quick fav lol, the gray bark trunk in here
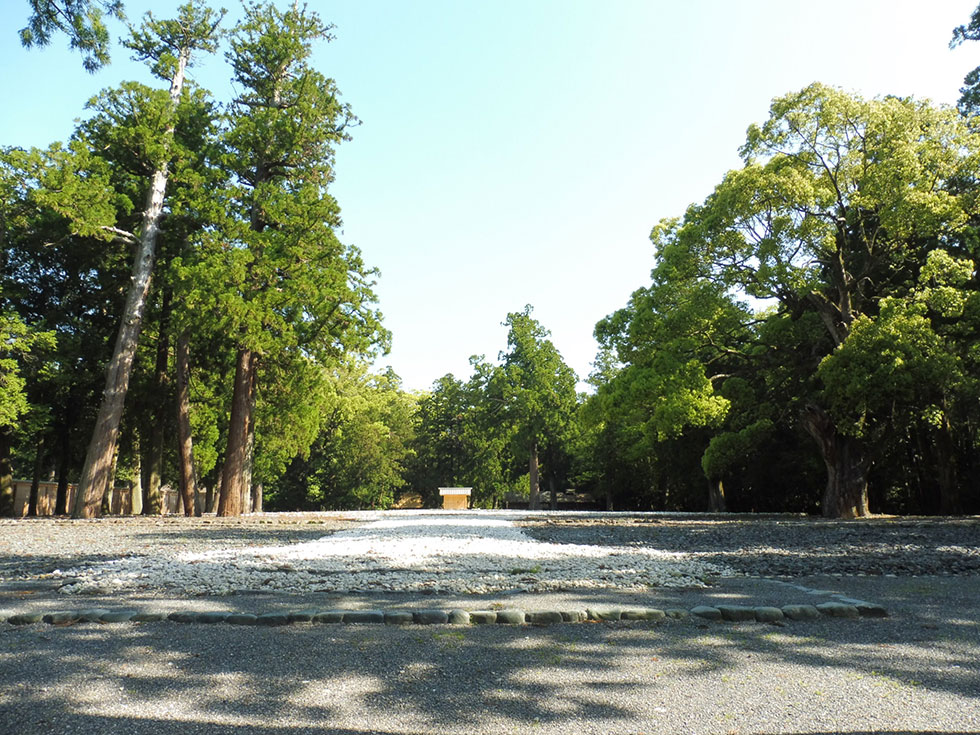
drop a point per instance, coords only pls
(110, 486)
(185, 441)
(949, 496)
(151, 481)
(716, 496)
(158, 404)
(35, 480)
(846, 493)
(136, 492)
(61, 497)
(534, 498)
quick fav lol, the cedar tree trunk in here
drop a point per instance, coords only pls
(185, 442)
(154, 466)
(534, 498)
(35, 480)
(136, 491)
(7, 504)
(102, 447)
(949, 497)
(236, 459)
(61, 497)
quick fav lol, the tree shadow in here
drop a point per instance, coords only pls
(602, 677)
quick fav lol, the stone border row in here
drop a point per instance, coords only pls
(846, 609)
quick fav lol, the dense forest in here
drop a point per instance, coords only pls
(177, 307)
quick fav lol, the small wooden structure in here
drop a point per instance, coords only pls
(455, 498)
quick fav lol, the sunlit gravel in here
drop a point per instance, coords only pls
(413, 552)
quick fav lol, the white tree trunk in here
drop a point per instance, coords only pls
(98, 459)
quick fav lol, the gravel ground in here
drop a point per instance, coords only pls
(406, 551)
(897, 675)
(916, 671)
(789, 546)
(31, 547)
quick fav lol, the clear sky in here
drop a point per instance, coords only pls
(518, 152)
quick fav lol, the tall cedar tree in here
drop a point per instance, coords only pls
(538, 391)
(167, 45)
(280, 283)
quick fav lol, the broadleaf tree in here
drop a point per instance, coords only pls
(836, 209)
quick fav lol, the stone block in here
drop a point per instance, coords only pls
(737, 613)
(60, 618)
(431, 617)
(838, 610)
(574, 616)
(871, 610)
(92, 615)
(801, 612)
(544, 617)
(459, 617)
(241, 619)
(212, 617)
(25, 618)
(483, 617)
(511, 617)
(399, 617)
(149, 617)
(644, 613)
(329, 616)
(707, 612)
(604, 613)
(272, 619)
(117, 616)
(375, 617)
(768, 614)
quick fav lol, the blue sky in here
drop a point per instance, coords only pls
(518, 153)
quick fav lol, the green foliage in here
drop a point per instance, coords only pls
(729, 450)
(162, 43)
(849, 221)
(361, 449)
(83, 21)
(890, 371)
(17, 343)
(271, 271)
(535, 389)
(969, 101)
(478, 434)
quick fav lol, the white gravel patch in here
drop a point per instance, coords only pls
(473, 552)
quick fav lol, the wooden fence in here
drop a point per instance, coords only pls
(121, 502)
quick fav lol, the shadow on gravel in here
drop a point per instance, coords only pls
(788, 546)
(165, 678)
